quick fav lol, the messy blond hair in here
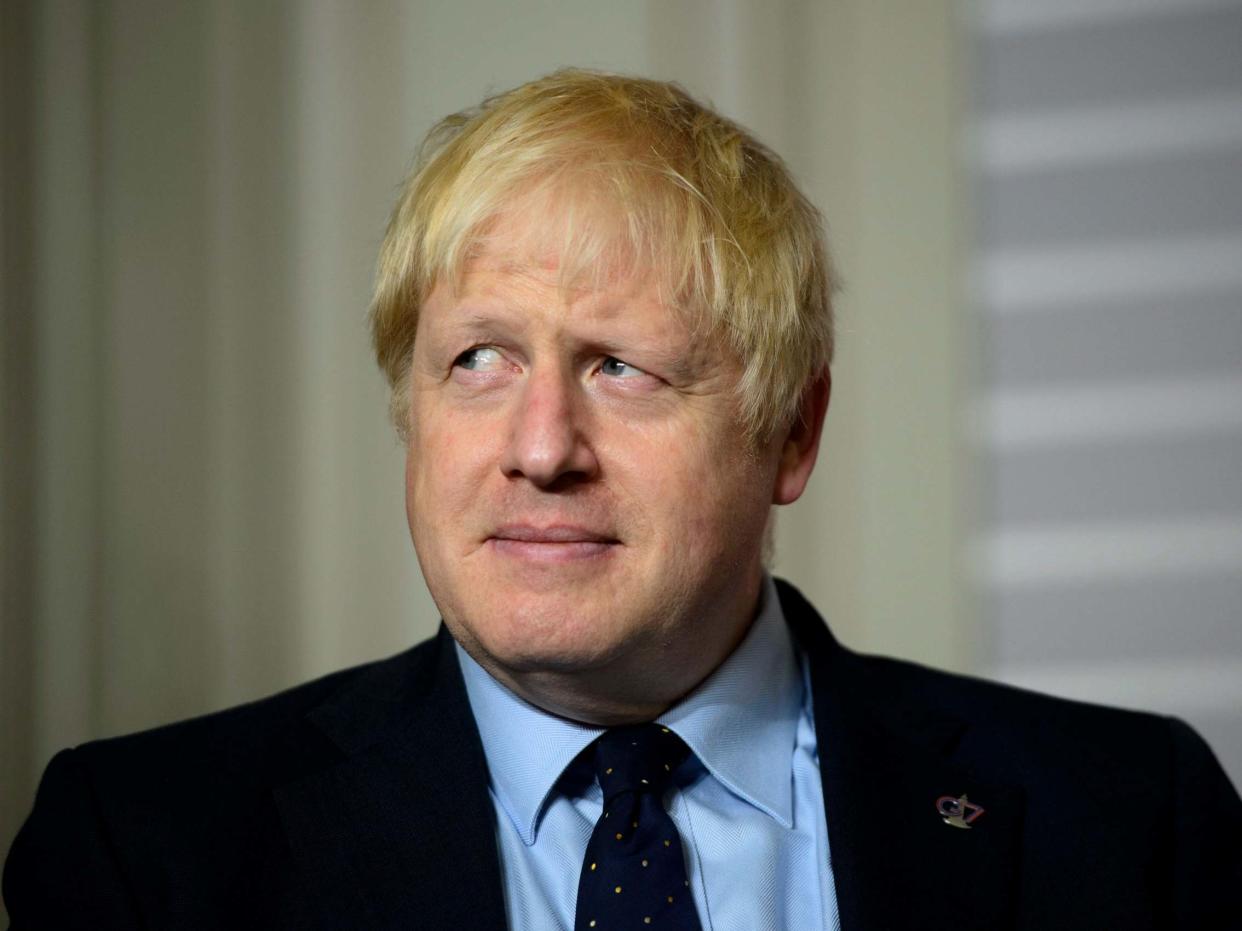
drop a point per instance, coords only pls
(683, 191)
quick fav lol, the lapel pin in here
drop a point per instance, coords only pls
(958, 812)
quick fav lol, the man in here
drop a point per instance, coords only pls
(604, 312)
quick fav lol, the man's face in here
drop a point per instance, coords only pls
(586, 512)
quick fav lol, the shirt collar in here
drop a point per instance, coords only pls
(741, 723)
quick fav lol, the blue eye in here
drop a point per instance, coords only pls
(480, 358)
(615, 368)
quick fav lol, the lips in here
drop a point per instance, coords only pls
(558, 533)
(557, 543)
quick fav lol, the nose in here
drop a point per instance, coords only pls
(547, 444)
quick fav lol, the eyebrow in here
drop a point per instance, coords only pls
(478, 321)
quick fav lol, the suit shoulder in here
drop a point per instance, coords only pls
(1042, 720)
(981, 700)
(1023, 732)
(189, 811)
(268, 740)
(909, 688)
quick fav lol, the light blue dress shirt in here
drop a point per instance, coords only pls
(749, 807)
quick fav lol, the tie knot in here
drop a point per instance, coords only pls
(637, 758)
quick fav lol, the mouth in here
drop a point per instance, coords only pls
(555, 544)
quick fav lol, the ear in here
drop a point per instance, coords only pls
(801, 445)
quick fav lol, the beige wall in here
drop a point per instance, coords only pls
(215, 510)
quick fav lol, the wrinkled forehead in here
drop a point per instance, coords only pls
(582, 238)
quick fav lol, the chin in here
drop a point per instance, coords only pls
(542, 633)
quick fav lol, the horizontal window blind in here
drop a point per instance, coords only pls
(1106, 151)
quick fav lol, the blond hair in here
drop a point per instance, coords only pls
(682, 189)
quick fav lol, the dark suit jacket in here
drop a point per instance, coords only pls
(360, 801)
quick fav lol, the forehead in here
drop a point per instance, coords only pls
(506, 299)
(569, 228)
(549, 255)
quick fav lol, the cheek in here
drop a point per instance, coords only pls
(727, 506)
(446, 464)
(705, 496)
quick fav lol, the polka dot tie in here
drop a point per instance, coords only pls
(634, 872)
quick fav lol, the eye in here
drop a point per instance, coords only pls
(615, 368)
(480, 359)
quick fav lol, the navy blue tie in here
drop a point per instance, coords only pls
(634, 872)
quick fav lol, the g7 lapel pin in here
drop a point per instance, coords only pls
(958, 812)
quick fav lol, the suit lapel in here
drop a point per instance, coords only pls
(399, 833)
(885, 760)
